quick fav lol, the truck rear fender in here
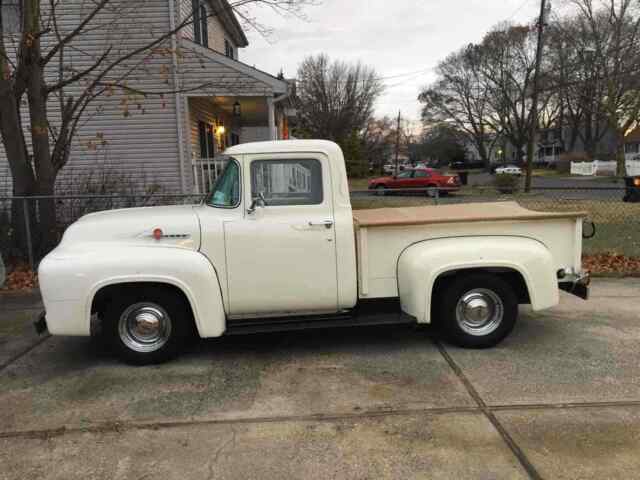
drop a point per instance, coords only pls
(421, 264)
(188, 271)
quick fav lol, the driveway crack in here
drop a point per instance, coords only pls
(488, 413)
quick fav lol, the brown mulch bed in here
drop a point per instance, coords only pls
(611, 264)
(19, 279)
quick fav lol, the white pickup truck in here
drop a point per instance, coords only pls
(276, 246)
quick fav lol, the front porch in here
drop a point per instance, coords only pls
(218, 122)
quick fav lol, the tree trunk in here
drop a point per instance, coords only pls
(531, 144)
(621, 167)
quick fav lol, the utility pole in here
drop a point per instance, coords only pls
(544, 10)
(398, 144)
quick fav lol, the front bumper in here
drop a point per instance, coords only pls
(578, 286)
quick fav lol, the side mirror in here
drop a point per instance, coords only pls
(258, 202)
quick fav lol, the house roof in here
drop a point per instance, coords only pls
(279, 86)
(633, 136)
(228, 18)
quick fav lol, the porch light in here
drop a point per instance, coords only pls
(237, 109)
(220, 130)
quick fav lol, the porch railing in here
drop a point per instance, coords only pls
(205, 173)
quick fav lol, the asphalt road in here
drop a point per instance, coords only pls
(559, 399)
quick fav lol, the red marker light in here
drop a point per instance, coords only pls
(157, 233)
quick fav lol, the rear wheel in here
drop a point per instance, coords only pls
(477, 311)
(380, 190)
(148, 325)
(431, 191)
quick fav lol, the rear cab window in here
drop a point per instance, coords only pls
(287, 181)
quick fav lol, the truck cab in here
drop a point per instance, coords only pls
(276, 246)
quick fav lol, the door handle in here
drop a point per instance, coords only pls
(325, 223)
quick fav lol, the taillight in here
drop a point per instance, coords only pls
(157, 233)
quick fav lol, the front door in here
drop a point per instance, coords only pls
(281, 257)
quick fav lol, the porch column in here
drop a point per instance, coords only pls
(272, 119)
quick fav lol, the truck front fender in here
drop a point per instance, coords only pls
(420, 265)
(70, 280)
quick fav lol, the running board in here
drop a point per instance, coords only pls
(288, 324)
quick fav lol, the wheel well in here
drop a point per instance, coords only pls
(509, 275)
(105, 295)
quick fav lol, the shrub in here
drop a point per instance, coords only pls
(506, 183)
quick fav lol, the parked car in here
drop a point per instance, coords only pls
(417, 178)
(632, 193)
(275, 246)
(509, 170)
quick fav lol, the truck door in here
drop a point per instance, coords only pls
(281, 257)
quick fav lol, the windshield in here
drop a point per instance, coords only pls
(226, 191)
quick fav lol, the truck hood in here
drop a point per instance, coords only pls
(135, 227)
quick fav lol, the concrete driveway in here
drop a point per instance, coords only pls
(559, 399)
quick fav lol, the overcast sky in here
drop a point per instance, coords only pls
(396, 37)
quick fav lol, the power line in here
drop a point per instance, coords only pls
(518, 10)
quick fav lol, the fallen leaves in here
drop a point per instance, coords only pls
(21, 278)
(611, 263)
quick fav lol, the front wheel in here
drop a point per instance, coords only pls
(477, 310)
(148, 325)
(380, 190)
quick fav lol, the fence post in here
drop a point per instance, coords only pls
(27, 229)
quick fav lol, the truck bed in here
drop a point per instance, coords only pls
(383, 234)
(468, 212)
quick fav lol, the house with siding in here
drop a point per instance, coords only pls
(184, 102)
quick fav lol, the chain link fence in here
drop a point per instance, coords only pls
(617, 222)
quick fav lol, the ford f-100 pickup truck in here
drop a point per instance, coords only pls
(276, 246)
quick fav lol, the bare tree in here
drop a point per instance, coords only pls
(49, 78)
(335, 98)
(461, 95)
(613, 26)
(509, 68)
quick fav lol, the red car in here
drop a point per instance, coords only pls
(417, 178)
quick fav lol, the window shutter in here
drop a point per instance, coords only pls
(205, 26)
(202, 136)
(211, 142)
(197, 33)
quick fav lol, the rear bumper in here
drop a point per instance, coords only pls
(578, 287)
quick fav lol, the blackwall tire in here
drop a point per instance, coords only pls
(477, 310)
(149, 325)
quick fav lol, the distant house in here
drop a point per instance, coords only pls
(215, 100)
(632, 145)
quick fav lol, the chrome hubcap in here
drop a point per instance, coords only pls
(144, 327)
(479, 312)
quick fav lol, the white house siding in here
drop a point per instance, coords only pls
(142, 145)
(217, 34)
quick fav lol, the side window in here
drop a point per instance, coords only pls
(405, 174)
(422, 174)
(226, 191)
(287, 182)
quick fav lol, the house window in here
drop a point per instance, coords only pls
(228, 49)
(11, 13)
(200, 23)
(207, 140)
(632, 148)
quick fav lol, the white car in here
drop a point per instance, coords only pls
(509, 170)
(276, 246)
